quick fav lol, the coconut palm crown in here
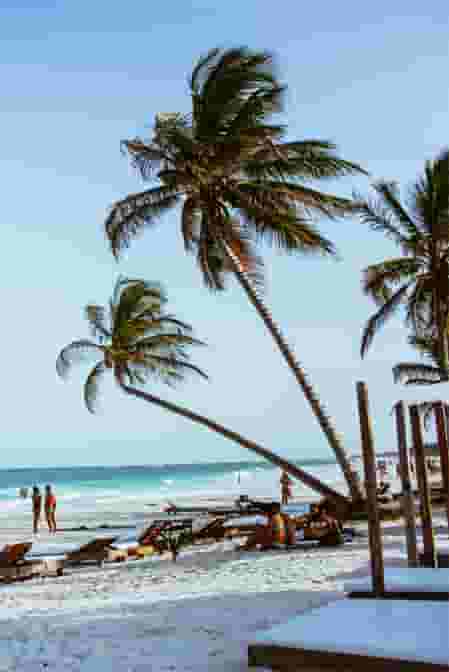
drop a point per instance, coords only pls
(238, 181)
(135, 338)
(228, 165)
(419, 278)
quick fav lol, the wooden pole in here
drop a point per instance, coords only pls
(442, 436)
(369, 465)
(408, 500)
(429, 555)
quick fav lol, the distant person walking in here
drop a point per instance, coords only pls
(50, 508)
(286, 487)
(37, 508)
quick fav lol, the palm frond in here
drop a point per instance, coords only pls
(92, 387)
(137, 300)
(131, 215)
(419, 307)
(377, 321)
(146, 157)
(76, 352)
(301, 160)
(96, 316)
(165, 343)
(170, 370)
(228, 79)
(414, 373)
(249, 119)
(201, 69)
(429, 197)
(379, 280)
(379, 218)
(389, 195)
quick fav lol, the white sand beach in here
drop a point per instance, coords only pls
(156, 615)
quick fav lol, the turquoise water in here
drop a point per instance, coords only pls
(111, 484)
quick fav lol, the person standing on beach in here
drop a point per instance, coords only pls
(286, 487)
(50, 508)
(37, 508)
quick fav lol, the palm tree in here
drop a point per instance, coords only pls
(137, 341)
(427, 372)
(419, 279)
(238, 182)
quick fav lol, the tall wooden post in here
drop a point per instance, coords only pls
(408, 501)
(369, 465)
(429, 555)
(442, 436)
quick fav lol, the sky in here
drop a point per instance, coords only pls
(78, 77)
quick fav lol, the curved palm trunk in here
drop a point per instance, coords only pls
(317, 408)
(303, 476)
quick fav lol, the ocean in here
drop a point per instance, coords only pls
(104, 488)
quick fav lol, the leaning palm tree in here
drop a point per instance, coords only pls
(238, 182)
(419, 278)
(136, 340)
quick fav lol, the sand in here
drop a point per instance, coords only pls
(156, 615)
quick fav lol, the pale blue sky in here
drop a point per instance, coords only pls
(79, 76)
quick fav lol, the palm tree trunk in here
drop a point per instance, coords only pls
(303, 476)
(443, 344)
(440, 279)
(301, 377)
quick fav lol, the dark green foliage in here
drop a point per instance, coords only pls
(420, 373)
(136, 339)
(419, 279)
(230, 167)
(173, 540)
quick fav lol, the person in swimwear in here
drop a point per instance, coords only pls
(50, 508)
(265, 536)
(286, 487)
(37, 508)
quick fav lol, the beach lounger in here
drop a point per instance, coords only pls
(14, 566)
(405, 583)
(359, 636)
(442, 551)
(97, 551)
(211, 529)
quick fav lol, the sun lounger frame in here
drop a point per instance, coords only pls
(22, 571)
(291, 659)
(96, 550)
(427, 595)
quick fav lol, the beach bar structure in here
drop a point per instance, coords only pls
(379, 632)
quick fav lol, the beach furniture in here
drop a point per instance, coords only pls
(15, 567)
(153, 537)
(359, 635)
(144, 552)
(405, 583)
(211, 528)
(97, 550)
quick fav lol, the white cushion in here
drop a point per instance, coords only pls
(397, 629)
(413, 579)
